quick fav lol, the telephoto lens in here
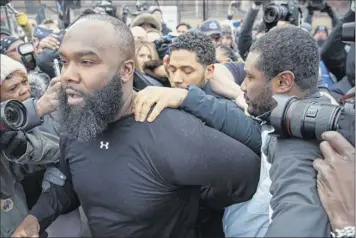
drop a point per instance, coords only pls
(13, 116)
(309, 120)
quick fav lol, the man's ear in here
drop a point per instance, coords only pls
(127, 70)
(283, 83)
(209, 71)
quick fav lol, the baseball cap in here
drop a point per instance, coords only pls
(210, 27)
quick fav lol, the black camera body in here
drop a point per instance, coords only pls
(13, 116)
(348, 32)
(288, 12)
(304, 119)
(27, 52)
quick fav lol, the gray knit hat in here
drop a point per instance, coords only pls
(8, 66)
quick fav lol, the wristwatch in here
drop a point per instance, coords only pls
(347, 231)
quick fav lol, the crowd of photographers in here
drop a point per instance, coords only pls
(265, 148)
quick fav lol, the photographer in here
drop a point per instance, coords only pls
(15, 85)
(286, 162)
(339, 57)
(21, 154)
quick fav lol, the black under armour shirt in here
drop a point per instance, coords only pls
(143, 179)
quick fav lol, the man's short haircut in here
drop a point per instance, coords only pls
(125, 39)
(289, 48)
(183, 24)
(196, 42)
(228, 52)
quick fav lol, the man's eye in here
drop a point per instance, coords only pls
(87, 62)
(12, 89)
(63, 62)
(188, 72)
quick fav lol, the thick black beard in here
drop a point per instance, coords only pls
(263, 103)
(101, 108)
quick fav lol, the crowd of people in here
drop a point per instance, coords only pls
(147, 131)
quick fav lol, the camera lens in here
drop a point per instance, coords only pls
(13, 115)
(271, 14)
(309, 120)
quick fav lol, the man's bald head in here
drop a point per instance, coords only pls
(125, 40)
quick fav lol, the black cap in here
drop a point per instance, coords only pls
(210, 27)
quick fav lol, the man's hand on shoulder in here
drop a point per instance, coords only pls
(160, 98)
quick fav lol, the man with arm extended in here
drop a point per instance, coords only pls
(132, 179)
(287, 163)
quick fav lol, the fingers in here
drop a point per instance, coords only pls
(50, 42)
(320, 165)
(146, 108)
(156, 111)
(338, 143)
(140, 105)
(327, 150)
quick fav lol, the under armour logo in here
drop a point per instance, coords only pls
(104, 145)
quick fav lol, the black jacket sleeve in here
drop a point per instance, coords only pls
(333, 52)
(297, 209)
(57, 199)
(201, 156)
(219, 115)
(245, 39)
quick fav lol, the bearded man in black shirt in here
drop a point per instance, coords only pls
(132, 179)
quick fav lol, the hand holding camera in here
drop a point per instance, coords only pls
(49, 42)
(49, 101)
(13, 143)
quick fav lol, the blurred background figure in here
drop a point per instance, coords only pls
(139, 33)
(182, 28)
(212, 28)
(145, 51)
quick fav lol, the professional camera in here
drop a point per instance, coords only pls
(13, 116)
(27, 52)
(288, 12)
(348, 32)
(305, 119)
(316, 5)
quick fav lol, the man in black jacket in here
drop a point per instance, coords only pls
(132, 179)
(287, 163)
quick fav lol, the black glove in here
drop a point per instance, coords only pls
(13, 143)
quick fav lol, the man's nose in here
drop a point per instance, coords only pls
(70, 74)
(243, 86)
(177, 78)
